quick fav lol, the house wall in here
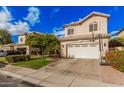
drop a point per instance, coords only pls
(83, 29)
(7, 48)
(121, 34)
(1, 47)
(21, 39)
(119, 48)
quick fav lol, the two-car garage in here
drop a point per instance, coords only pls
(90, 51)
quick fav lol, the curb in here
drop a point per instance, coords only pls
(18, 78)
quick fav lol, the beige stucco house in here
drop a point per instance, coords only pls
(81, 39)
(120, 33)
(20, 45)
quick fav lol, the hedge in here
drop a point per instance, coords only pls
(17, 58)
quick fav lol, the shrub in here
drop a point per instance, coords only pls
(116, 59)
(17, 58)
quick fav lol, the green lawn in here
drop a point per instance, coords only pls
(2, 59)
(33, 63)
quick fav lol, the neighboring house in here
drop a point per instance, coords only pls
(20, 45)
(21, 42)
(7, 47)
(81, 38)
(120, 33)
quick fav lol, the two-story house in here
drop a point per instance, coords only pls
(20, 45)
(21, 42)
(87, 38)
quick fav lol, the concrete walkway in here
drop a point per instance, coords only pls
(65, 73)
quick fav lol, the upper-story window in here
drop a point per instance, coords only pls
(70, 31)
(93, 27)
(21, 39)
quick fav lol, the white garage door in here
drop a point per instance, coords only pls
(83, 51)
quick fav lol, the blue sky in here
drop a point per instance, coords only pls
(50, 19)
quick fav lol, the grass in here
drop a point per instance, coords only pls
(2, 59)
(35, 63)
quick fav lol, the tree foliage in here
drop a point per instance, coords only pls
(5, 37)
(48, 44)
(118, 41)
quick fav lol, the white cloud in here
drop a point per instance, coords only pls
(15, 29)
(6, 23)
(33, 15)
(5, 15)
(113, 32)
(58, 31)
(19, 28)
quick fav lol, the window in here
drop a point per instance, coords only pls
(93, 27)
(104, 44)
(21, 39)
(70, 31)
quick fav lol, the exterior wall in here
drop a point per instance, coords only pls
(83, 29)
(119, 48)
(1, 47)
(121, 34)
(21, 39)
(7, 48)
(23, 46)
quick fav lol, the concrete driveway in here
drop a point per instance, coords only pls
(68, 73)
(74, 73)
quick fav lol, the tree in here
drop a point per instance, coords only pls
(53, 45)
(48, 44)
(115, 42)
(35, 41)
(5, 37)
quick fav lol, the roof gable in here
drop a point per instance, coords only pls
(87, 17)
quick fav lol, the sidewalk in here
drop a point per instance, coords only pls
(25, 74)
(42, 77)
